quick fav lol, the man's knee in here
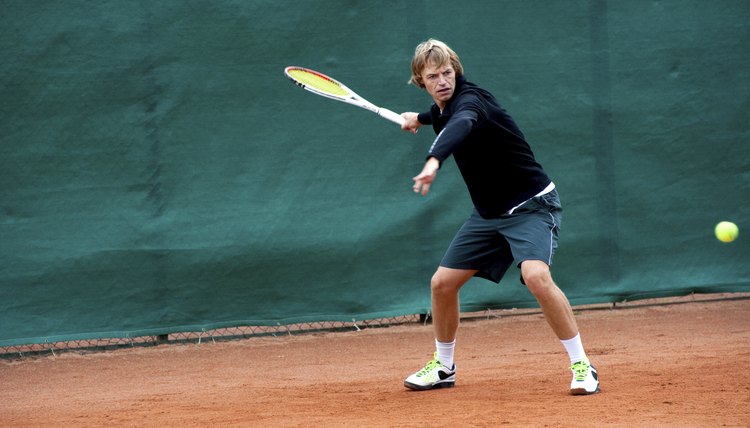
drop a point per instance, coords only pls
(445, 284)
(439, 284)
(537, 277)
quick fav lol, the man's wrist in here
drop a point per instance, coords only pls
(436, 163)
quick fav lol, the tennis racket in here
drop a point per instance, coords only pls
(320, 84)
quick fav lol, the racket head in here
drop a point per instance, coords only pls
(318, 83)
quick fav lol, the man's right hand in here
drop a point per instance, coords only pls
(411, 123)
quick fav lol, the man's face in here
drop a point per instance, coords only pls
(440, 82)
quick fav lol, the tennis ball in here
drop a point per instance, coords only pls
(726, 231)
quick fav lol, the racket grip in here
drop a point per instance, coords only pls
(393, 117)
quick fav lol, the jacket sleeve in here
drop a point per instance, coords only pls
(468, 112)
(425, 118)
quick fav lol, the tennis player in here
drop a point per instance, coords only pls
(516, 216)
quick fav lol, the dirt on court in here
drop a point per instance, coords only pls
(684, 364)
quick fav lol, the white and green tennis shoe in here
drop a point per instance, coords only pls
(585, 379)
(433, 375)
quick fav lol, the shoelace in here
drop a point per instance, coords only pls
(431, 365)
(580, 370)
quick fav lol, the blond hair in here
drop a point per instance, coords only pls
(433, 53)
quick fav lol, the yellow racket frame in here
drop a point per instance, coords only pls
(320, 84)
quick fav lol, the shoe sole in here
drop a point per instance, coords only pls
(582, 391)
(416, 387)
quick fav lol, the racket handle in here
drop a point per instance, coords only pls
(393, 117)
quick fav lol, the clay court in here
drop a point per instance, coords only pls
(684, 364)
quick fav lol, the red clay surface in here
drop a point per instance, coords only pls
(685, 364)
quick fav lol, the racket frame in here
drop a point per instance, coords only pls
(353, 98)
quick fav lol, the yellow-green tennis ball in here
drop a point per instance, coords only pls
(726, 231)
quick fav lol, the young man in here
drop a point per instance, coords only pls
(516, 213)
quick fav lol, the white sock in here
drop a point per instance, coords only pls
(575, 349)
(445, 352)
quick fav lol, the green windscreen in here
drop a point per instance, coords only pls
(161, 174)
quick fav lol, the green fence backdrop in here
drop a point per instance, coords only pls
(159, 174)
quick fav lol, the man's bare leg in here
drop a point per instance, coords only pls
(552, 300)
(444, 287)
(440, 372)
(559, 316)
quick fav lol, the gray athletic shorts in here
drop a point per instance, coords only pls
(491, 245)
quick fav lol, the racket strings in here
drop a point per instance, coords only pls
(318, 82)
